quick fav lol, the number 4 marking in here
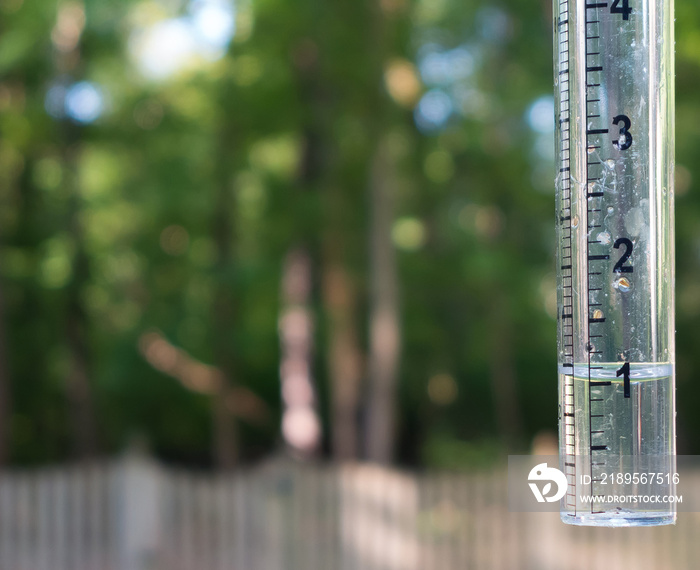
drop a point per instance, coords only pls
(625, 10)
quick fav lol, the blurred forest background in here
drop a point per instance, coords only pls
(231, 227)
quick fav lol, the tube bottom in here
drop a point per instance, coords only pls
(620, 518)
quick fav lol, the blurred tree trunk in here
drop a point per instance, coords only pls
(78, 386)
(66, 36)
(226, 430)
(320, 173)
(5, 379)
(503, 373)
(301, 426)
(76, 325)
(5, 387)
(344, 356)
(384, 327)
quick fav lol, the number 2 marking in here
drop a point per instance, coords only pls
(620, 266)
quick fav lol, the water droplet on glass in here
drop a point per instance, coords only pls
(574, 222)
(591, 149)
(610, 209)
(604, 238)
(597, 314)
(610, 163)
(622, 284)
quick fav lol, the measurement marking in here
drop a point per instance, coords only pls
(570, 464)
(601, 383)
(597, 67)
(595, 194)
(596, 5)
(565, 198)
(599, 447)
(598, 431)
(597, 131)
(597, 416)
(598, 258)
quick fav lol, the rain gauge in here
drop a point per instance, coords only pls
(614, 105)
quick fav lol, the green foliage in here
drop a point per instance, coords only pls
(148, 181)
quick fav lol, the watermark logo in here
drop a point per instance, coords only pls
(541, 473)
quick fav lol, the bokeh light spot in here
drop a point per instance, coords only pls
(442, 389)
(165, 47)
(433, 110)
(84, 102)
(540, 115)
(409, 234)
(213, 22)
(402, 82)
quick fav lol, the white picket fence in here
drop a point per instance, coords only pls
(135, 514)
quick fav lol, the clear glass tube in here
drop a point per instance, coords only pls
(614, 99)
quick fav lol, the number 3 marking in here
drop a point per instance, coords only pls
(625, 140)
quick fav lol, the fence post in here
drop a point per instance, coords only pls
(137, 510)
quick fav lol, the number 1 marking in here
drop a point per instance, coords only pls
(625, 370)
